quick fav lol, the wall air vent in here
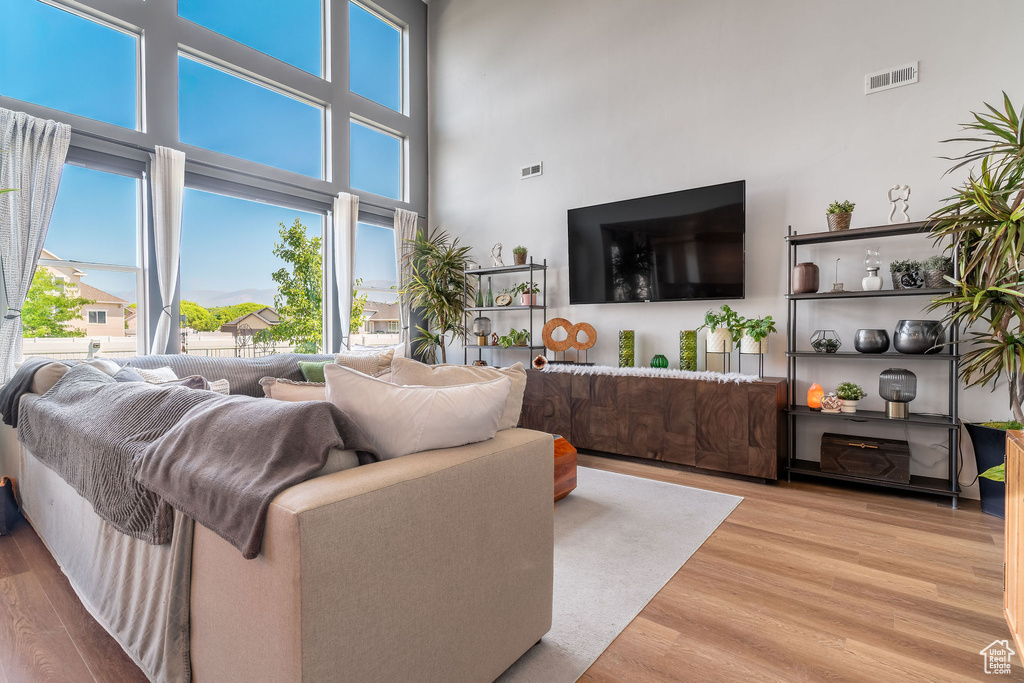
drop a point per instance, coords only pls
(532, 171)
(891, 78)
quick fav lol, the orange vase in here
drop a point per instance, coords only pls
(814, 396)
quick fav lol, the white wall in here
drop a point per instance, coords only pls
(628, 99)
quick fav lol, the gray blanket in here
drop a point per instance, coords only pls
(91, 431)
(228, 459)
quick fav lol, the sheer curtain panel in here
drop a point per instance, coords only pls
(32, 153)
(405, 232)
(346, 216)
(168, 188)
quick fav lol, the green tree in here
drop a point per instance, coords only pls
(49, 307)
(299, 301)
(357, 315)
(198, 318)
(225, 314)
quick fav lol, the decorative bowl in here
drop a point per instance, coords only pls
(919, 336)
(871, 341)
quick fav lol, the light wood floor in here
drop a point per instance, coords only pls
(802, 582)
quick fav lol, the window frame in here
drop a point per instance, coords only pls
(163, 34)
(96, 314)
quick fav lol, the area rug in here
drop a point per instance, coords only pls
(618, 540)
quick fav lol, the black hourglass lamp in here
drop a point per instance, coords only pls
(898, 387)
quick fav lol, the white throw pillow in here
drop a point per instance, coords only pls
(156, 375)
(402, 420)
(107, 367)
(399, 349)
(373, 364)
(287, 390)
(407, 371)
(47, 376)
(220, 386)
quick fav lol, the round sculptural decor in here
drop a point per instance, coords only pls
(572, 333)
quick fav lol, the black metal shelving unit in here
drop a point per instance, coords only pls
(532, 268)
(796, 412)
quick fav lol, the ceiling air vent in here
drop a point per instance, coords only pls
(532, 171)
(891, 78)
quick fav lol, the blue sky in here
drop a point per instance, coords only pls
(65, 62)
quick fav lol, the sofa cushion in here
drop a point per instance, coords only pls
(287, 390)
(159, 375)
(401, 420)
(407, 371)
(47, 376)
(313, 371)
(374, 363)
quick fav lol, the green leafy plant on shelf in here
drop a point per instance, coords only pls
(981, 226)
(524, 288)
(840, 207)
(514, 338)
(906, 266)
(848, 391)
(519, 250)
(938, 262)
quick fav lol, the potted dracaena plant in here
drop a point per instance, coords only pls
(437, 287)
(981, 226)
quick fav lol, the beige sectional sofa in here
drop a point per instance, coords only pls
(432, 567)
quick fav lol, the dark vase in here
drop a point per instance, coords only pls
(659, 361)
(989, 451)
(919, 336)
(871, 341)
(805, 278)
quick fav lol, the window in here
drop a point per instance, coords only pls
(289, 31)
(226, 113)
(229, 269)
(375, 57)
(376, 161)
(86, 287)
(62, 60)
(393, 327)
(376, 269)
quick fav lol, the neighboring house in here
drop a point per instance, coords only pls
(104, 317)
(256, 321)
(380, 318)
(131, 321)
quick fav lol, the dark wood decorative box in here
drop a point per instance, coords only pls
(866, 456)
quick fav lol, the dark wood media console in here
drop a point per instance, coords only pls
(735, 428)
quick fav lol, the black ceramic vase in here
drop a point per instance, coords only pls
(919, 336)
(871, 341)
(989, 451)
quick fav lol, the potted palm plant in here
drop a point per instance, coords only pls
(981, 224)
(437, 287)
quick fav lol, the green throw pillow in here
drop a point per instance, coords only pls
(313, 371)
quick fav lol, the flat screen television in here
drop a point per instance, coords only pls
(680, 246)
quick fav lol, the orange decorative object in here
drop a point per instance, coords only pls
(814, 396)
(572, 333)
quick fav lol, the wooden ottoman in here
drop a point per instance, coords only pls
(565, 468)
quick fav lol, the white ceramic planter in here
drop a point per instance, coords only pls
(748, 345)
(849, 406)
(719, 340)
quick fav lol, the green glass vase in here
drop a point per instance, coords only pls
(688, 350)
(659, 361)
(627, 342)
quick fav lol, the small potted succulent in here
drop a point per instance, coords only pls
(839, 215)
(755, 334)
(527, 292)
(936, 269)
(514, 338)
(519, 254)
(723, 326)
(906, 274)
(849, 393)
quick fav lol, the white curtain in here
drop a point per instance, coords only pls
(346, 216)
(32, 153)
(405, 230)
(168, 188)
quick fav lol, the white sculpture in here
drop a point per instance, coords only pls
(898, 214)
(496, 255)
